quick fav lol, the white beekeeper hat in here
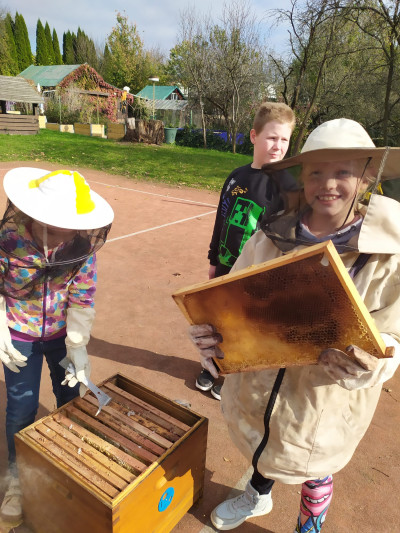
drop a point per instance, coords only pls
(61, 198)
(343, 139)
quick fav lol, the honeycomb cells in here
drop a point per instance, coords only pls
(282, 316)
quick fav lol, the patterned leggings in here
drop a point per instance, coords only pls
(316, 497)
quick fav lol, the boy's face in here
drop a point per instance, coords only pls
(271, 144)
(329, 188)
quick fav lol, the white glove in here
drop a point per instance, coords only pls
(355, 364)
(79, 358)
(206, 339)
(79, 324)
(9, 356)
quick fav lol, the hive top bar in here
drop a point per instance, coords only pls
(283, 312)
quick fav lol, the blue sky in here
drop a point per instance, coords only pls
(156, 20)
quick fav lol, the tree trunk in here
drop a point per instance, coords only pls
(149, 132)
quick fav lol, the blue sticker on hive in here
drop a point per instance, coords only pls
(166, 499)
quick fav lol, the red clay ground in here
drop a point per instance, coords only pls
(140, 332)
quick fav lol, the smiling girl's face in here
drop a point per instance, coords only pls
(330, 189)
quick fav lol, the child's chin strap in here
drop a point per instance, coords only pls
(356, 191)
(45, 247)
(380, 171)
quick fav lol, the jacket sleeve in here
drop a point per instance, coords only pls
(83, 287)
(386, 289)
(214, 244)
(219, 221)
(384, 371)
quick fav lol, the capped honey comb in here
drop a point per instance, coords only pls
(283, 312)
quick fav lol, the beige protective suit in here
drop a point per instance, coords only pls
(317, 423)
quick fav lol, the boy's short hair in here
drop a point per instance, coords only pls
(269, 111)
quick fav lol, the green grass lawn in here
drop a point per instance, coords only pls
(169, 164)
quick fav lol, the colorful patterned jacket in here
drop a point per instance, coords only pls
(39, 308)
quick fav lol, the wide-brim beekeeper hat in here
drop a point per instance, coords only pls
(61, 198)
(342, 139)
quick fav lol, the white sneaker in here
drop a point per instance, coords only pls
(231, 513)
(11, 508)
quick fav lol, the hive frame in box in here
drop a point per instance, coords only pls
(283, 312)
(136, 467)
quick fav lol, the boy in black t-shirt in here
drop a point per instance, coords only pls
(247, 194)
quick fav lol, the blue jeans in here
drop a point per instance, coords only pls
(23, 387)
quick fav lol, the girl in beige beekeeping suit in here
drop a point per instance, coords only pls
(303, 424)
(50, 231)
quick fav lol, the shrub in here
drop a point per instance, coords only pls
(52, 111)
(246, 146)
(194, 138)
(215, 141)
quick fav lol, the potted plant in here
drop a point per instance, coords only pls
(170, 133)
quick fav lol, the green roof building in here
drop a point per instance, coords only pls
(161, 92)
(48, 76)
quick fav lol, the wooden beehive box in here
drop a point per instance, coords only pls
(135, 468)
(283, 312)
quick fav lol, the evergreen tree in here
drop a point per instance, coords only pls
(41, 45)
(106, 65)
(49, 43)
(8, 50)
(4, 50)
(56, 47)
(22, 43)
(85, 50)
(68, 49)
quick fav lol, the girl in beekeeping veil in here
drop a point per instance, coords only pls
(50, 232)
(303, 424)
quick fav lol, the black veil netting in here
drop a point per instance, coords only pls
(29, 257)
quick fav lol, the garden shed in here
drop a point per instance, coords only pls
(19, 90)
(48, 76)
(170, 104)
(80, 90)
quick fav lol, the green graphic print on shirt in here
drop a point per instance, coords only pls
(243, 218)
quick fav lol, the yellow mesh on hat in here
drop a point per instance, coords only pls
(84, 203)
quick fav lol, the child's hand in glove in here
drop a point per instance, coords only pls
(355, 363)
(206, 339)
(9, 355)
(81, 368)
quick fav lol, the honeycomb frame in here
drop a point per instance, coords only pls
(283, 312)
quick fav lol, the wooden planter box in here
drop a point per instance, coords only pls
(135, 468)
(97, 130)
(53, 126)
(116, 131)
(82, 129)
(67, 128)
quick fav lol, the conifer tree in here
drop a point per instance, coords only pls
(4, 50)
(8, 50)
(106, 64)
(49, 43)
(56, 47)
(22, 43)
(68, 49)
(41, 45)
(85, 50)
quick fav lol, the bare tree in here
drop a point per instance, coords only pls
(191, 60)
(316, 28)
(221, 63)
(381, 22)
(238, 64)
